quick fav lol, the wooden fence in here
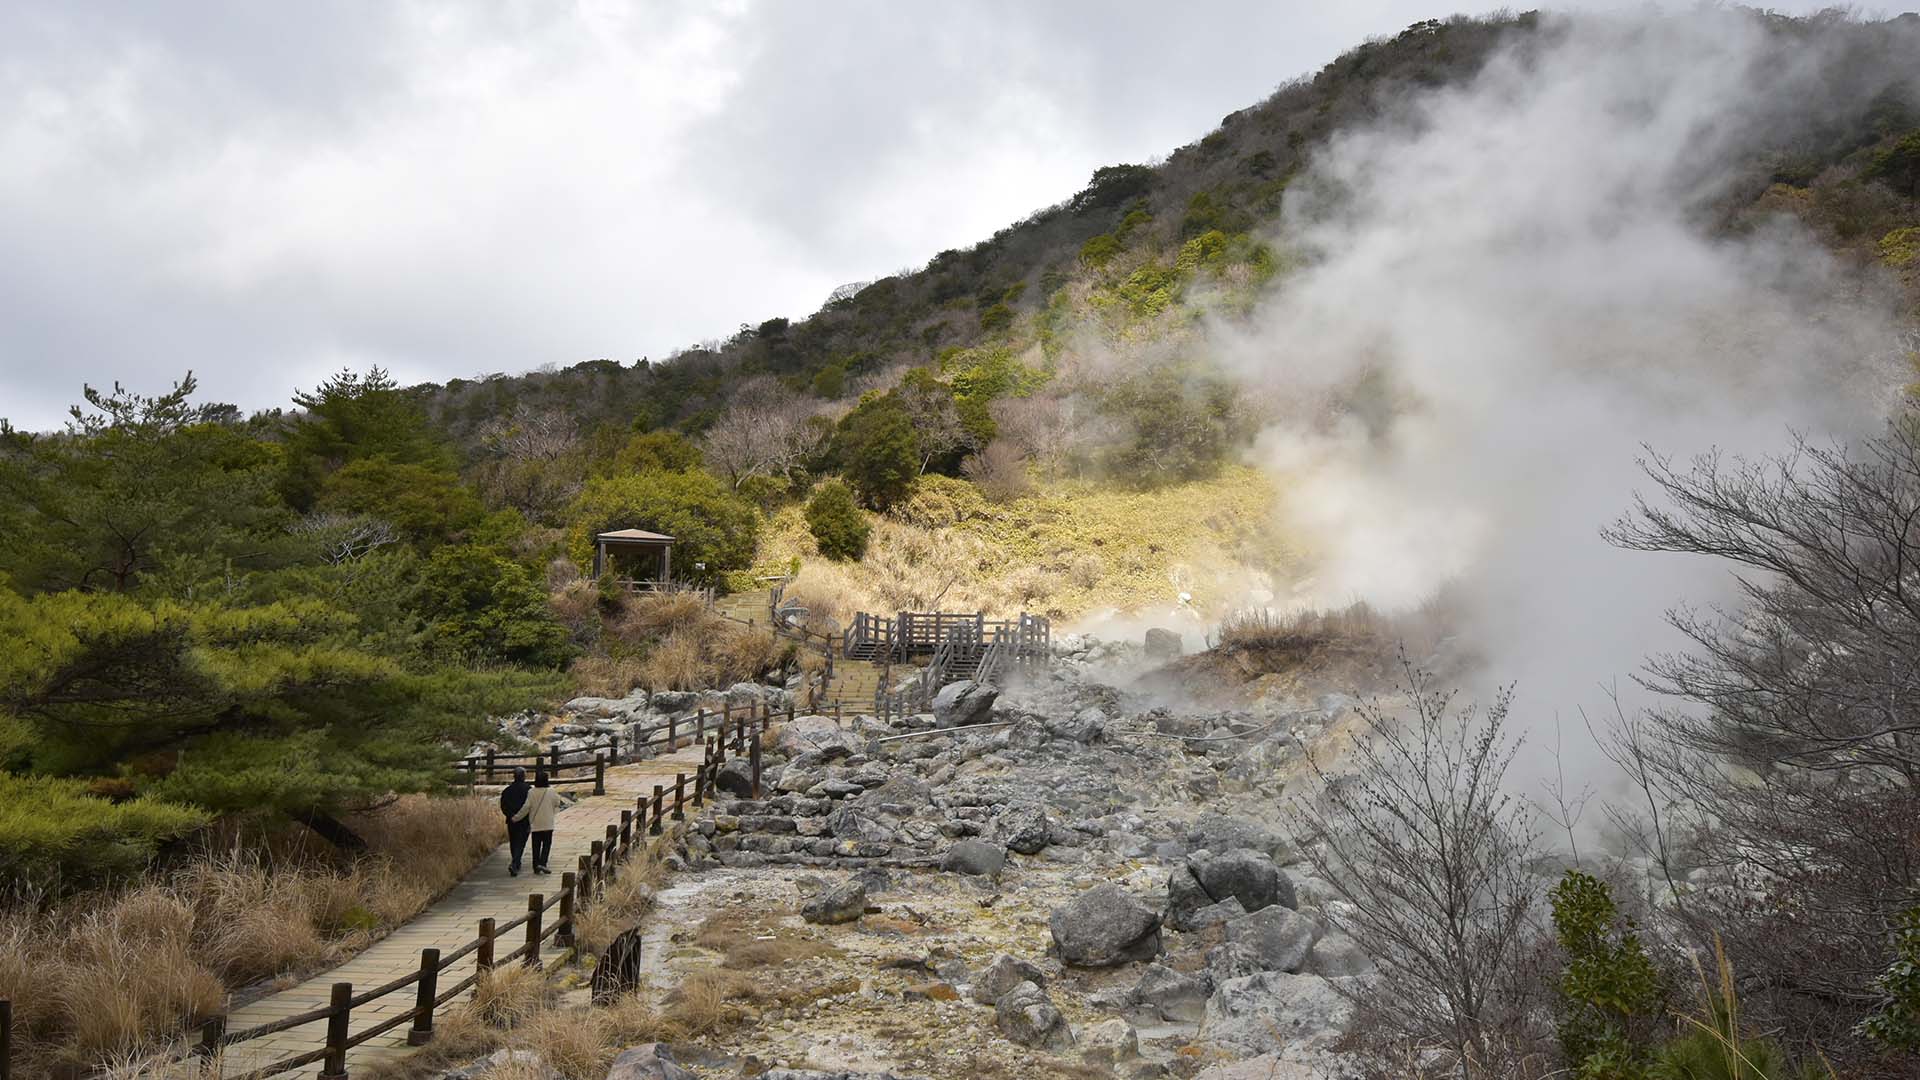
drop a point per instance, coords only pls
(579, 888)
(588, 764)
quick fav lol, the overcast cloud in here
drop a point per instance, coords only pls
(266, 193)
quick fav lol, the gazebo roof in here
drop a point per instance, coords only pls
(641, 535)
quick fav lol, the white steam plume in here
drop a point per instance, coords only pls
(1520, 272)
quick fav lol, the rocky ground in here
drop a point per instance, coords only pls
(1061, 879)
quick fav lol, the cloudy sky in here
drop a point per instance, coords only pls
(264, 193)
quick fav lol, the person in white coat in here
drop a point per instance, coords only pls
(542, 803)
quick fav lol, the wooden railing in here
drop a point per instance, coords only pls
(739, 734)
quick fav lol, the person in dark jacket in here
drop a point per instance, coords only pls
(512, 798)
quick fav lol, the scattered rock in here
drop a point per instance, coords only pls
(975, 857)
(1174, 996)
(843, 903)
(1002, 975)
(674, 701)
(1278, 939)
(1273, 1012)
(529, 1063)
(963, 703)
(1026, 1015)
(1163, 645)
(1025, 828)
(648, 1061)
(1110, 1043)
(1264, 1067)
(1214, 914)
(1105, 926)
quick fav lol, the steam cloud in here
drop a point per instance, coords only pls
(1521, 271)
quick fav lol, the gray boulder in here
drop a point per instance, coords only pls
(1163, 644)
(1214, 914)
(1223, 833)
(1273, 1011)
(1336, 955)
(842, 903)
(746, 693)
(1027, 1016)
(735, 778)
(526, 1063)
(1278, 939)
(807, 733)
(962, 703)
(1246, 875)
(1231, 961)
(1105, 926)
(1025, 828)
(1170, 994)
(648, 1061)
(674, 701)
(976, 858)
(1002, 975)
(1185, 899)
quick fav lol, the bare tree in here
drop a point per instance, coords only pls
(525, 455)
(1000, 471)
(344, 538)
(763, 433)
(1793, 747)
(936, 420)
(1416, 834)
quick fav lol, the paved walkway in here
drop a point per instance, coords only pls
(448, 924)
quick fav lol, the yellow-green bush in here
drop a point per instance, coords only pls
(52, 830)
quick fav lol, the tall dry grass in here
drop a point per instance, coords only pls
(103, 979)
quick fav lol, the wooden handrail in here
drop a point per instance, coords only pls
(620, 844)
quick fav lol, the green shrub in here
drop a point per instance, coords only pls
(711, 523)
(878, 450)
(836, 523)
(1113, 185)
(1609, 991)
(486, 606)
(997, 317)
(54, 835)
(1899, 165)
(1896, 1024)
(1098, 251)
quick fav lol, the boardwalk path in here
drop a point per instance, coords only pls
(449, 923)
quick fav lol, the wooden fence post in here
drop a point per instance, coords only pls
(563, 934)
(700, 726)
(613, 851)
(473, 772)
(673, 734)
(699, 785)
(753, 763)
(659, 795)
(534, 903)
(483, 956)
(556, 762)
(613, 748)
(6, 1039)
(490, 764)
(583, 882)
(679, 796)
(334, 1065)
(626, 833)
(640, 815)
(210, 1034)
(427, 988)
(599, 774)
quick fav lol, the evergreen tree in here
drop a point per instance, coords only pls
(836, 523)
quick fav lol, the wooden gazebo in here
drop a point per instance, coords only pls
(651, 550)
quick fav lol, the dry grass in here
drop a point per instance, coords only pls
(1066, 551)
(753, 940)
(130, 969)
(660, 615)
(507, 997)
(678, 663)
(607, 676)
(627, 902)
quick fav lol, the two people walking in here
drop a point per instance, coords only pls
(529, 812)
